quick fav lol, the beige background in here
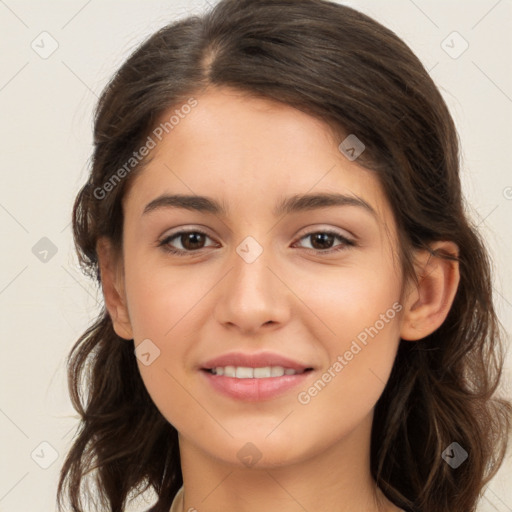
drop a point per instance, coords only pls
(46, 107)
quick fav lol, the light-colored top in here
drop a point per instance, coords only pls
(177, 503)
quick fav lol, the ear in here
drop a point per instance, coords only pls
(428, 303)
(112, 282)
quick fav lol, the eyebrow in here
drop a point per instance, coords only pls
(291, 204)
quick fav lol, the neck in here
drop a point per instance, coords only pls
(335, 479)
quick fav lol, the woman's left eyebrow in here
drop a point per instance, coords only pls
(291, 204)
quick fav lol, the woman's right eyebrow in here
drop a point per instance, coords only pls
(291, 204)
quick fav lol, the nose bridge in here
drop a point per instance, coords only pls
(252, 294)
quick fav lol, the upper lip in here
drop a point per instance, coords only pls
(256, 360)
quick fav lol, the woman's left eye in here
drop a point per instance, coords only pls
(323, 238)
(189, 241)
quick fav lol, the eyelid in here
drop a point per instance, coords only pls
(163, 240)
(308, 230)
(324, 228)
(185, 229)
(347, 241)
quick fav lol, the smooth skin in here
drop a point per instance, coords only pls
(294, 299)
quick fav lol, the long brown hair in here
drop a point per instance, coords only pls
(344, 68)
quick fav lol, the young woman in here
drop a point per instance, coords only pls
(298, 314)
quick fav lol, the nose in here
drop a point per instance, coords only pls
(253, 294)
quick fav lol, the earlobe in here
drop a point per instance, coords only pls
(112, 283)
(429, 301)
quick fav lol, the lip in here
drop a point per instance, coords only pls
(253, 390)
(256, 360)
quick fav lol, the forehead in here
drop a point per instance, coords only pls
(249, 152)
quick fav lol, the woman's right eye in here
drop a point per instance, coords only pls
(189, 240)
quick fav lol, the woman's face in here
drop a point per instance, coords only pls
(315, 283)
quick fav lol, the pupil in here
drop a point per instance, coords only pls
(191, 239)
(321, 237)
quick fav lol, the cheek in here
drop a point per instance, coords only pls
(348, 300)
(360, 329)
(159, 298)
(345, 392)
(163, 307)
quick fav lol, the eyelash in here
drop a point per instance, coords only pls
(164, 244)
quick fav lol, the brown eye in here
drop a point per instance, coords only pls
(322, 241)
(190, 241)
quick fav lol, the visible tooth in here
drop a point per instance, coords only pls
(230, 371)
(276, 371)
(244, 372)
(262, 373)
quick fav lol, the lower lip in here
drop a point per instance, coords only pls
(254, 390)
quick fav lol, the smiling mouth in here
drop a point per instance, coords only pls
(246, 372)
